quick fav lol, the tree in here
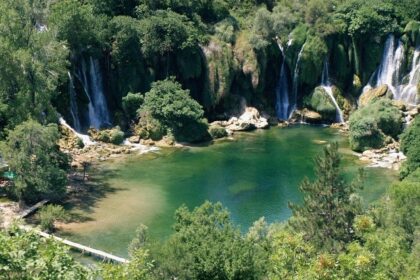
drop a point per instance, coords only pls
(26, 256)
(410, 146)
(206, 245)
(33, 62)
(50, 214)
(329, 206)
(172, 106)
(165, 33)
(32, 152)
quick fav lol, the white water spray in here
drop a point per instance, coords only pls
(85, 138)
(327, 86)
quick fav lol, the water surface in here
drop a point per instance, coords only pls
(255, 175)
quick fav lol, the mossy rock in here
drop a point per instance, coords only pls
(365, 135)
(312, 60)
(412, 30)
(247, 58)
(356, 85)
(220, 70)
(114, 135)
(311, 116)
(321, 102)
(372, 95)
(217, 132)
(296, 39)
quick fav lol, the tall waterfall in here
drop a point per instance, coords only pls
(91, 79)
(390, 72)
(327, 86)
(74, 109)
(409, 91)
(292, 106)
(282, 90)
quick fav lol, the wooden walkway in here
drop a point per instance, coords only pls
(82, 248)
(33, 208)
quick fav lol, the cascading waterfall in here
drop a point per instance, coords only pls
(85, 138)
(292, 106)
(74, 110)
(282, 90)
(327, 86)
(91, 80)
(409, 91)
(389, 72)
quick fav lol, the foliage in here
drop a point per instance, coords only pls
(114, 136)
(26, 256)
(33, 63)
(172, 106)
(78, 26)
(361, 18)
(369, 125)
(50, 214)
(165, 32)
(410, 146)
(217, 132)
(330, 204)
(201, 237)
(131, 103)
(32, 152)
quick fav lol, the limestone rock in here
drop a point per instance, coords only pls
(311, 116)
(372, 94)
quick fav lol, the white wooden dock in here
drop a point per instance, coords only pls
(82, 248)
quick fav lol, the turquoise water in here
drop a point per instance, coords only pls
(255, 175)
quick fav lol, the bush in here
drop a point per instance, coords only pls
(131, 103)
(114, 136)
(217, 132)
(172, 107)
(365, 134)
(50, 214)
(410, 146)
(370, 125)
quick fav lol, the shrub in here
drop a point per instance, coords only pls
(370, 125)
(116, 136)
(410, 146)
(131, 103)
(49, 214)
(365, 134)
(217, 132)
(170, 105)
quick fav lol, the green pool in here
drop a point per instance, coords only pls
(255, 175)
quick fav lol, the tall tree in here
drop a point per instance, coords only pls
(33, 61)
(330, 204)
(32, 152)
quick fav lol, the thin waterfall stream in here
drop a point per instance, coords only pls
(327, 86)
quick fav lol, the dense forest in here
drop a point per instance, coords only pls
(175, 69)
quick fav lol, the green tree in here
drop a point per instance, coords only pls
(50, 214)
(206, 245)
(32, 152)
(79, 26)
(329, 205)
(131, 104)
(172, 106)
(33, 62)
(410, 146)
(26, 256)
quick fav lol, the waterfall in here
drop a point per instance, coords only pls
(292, 106)
(74, 110)
(282, 91)
(85, 138)
(91, 79)
(409, 91)
(327, 86)
(389, 72)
